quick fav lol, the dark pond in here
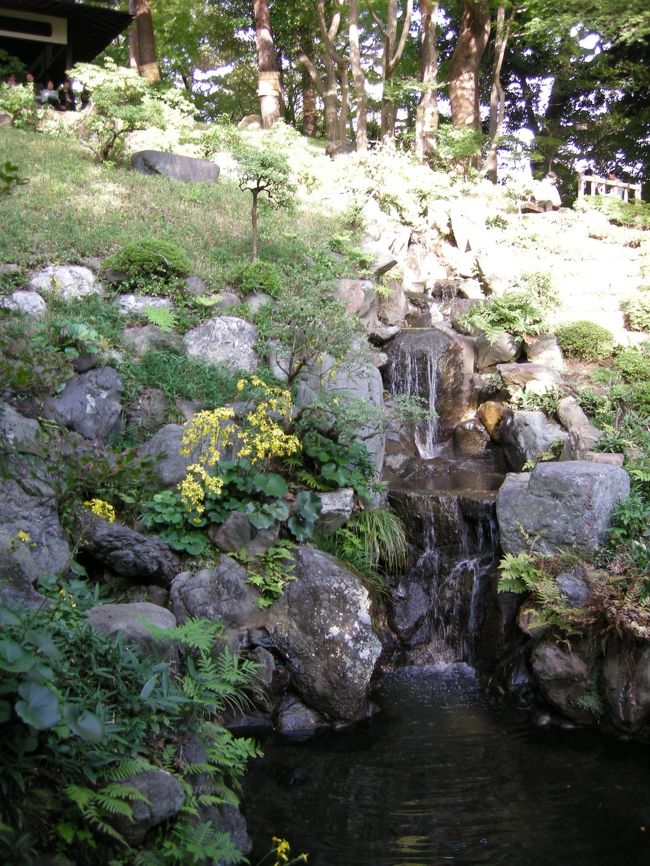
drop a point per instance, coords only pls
(445, 775)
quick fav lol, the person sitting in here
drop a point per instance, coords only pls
(614, 189)
(546, 194)
(11, 80)
(49, 95)
(67, 96)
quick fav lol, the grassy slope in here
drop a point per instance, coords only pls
(73, 207)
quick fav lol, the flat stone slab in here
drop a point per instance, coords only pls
(187, 169)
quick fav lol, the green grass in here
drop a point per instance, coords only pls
(72, 206)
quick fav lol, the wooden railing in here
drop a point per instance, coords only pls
(590, 184)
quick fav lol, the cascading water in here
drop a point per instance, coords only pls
(417, 377)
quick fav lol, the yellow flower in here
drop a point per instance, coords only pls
(102, 509)
(23, 536)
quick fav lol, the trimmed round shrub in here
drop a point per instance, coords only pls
(633, 365)
(585, 340)
(637, 312)
(150, 257)
(258, 276)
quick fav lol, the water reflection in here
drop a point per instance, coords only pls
(442, 775)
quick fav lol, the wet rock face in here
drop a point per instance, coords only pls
(559, 505)
(563, 677)
(527, 435)
(626, 675)
(321, 627)
(436, 365)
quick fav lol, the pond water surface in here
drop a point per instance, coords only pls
(443, 774)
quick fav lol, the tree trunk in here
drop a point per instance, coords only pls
(497, 93)
(426, 119)
(145, 52)
(309, 114)
(392, 54)
(358, 76)
(268, 80)
(254, 223)
(466, 63)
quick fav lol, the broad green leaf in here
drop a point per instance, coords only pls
(39, 707)
(14, 658)
(271, 484)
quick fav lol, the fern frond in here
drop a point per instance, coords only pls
(128, 768)
(312, 481)
(162, 317)
(199, 634)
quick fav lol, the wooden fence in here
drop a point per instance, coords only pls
(590, 184)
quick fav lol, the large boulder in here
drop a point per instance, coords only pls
(626, 675)
(164, 798)
(336, 510)
(321, 626)
(532, 378)
(142, 559)
(526, 435)
(163, 449)
(187, 169)
(559, 505)
(220, 593)
(223, 340)
(503, 349)
(30, 303)
(130, 621)
(360, 380)
(90, 404)
(563, 675)
(67, 282)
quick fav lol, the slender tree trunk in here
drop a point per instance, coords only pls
(426, 118)
(145, 53)
(358, 76)
(254, 224)
(391, 56)
(497, 93)
(466, 63)
(268, 86)
(309, 114)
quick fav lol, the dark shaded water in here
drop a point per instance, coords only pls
(444, 775)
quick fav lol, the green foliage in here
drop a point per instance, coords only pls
(123, 102)
(273, 572)
(261, 496)
(220, 136)
(10, 177)
(20, 104)
(621, 213)
(585, 340)
(257, 276)
(633, 364)
(593, 700)
(519, 573)
(179, 377)
(29, 364)
(165, 513)
(162, 317)
(496, 222)
(327, 463)
(516, 313)
(81, 713)
(546, 401)
(457, 146)
(306, 511)
(539, 285)
(306, 322)
(630, 521)
(637, 312)
(151, 265)
(344, 243)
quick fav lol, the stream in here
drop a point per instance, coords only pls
(444, 774)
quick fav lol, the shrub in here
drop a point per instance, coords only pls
(20, 104)
(81, 713)
(150, 257)
(585, 340)
(29, 364)
(257, 276)
(10, 177)
(633, 364)
(637, 312)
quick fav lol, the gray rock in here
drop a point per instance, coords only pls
(220, 593)
(139, 341)
(293, 717)
(504, 349)
(571, 413)
(67, 282)
(163, 448)
(321, 626)
(148, 411)
(559, 505)
(30, 303)
(626, 675)
(136, 305)
(227, 300)
(580, 442)
(129, 620)
(195, 286)
(360, 380)
(237, 533)
(563, 677)
(187, 169)
(250, 121)
(575, 588)
(393, 308)
(533, 378)
(544, 350)
(336, 510)
(165, 798)
(140, 558)
(257, 300)
(46, 550)
(358, 296)
(223, 339)
(89, 404)
(527, 435)
(471, 439)
(409, 609)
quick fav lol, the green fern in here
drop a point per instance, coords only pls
(163, 317)
(128, 768)
(312, 481)
(196, 634)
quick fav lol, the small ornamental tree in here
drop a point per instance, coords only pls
(264, 171)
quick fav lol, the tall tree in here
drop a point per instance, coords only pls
(358, 75)
(144, 44)
(391, 56)
(504, 22)
(267, 65)
(426, 118)
(466, 63)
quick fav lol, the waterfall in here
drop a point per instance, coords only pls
(416, 376)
